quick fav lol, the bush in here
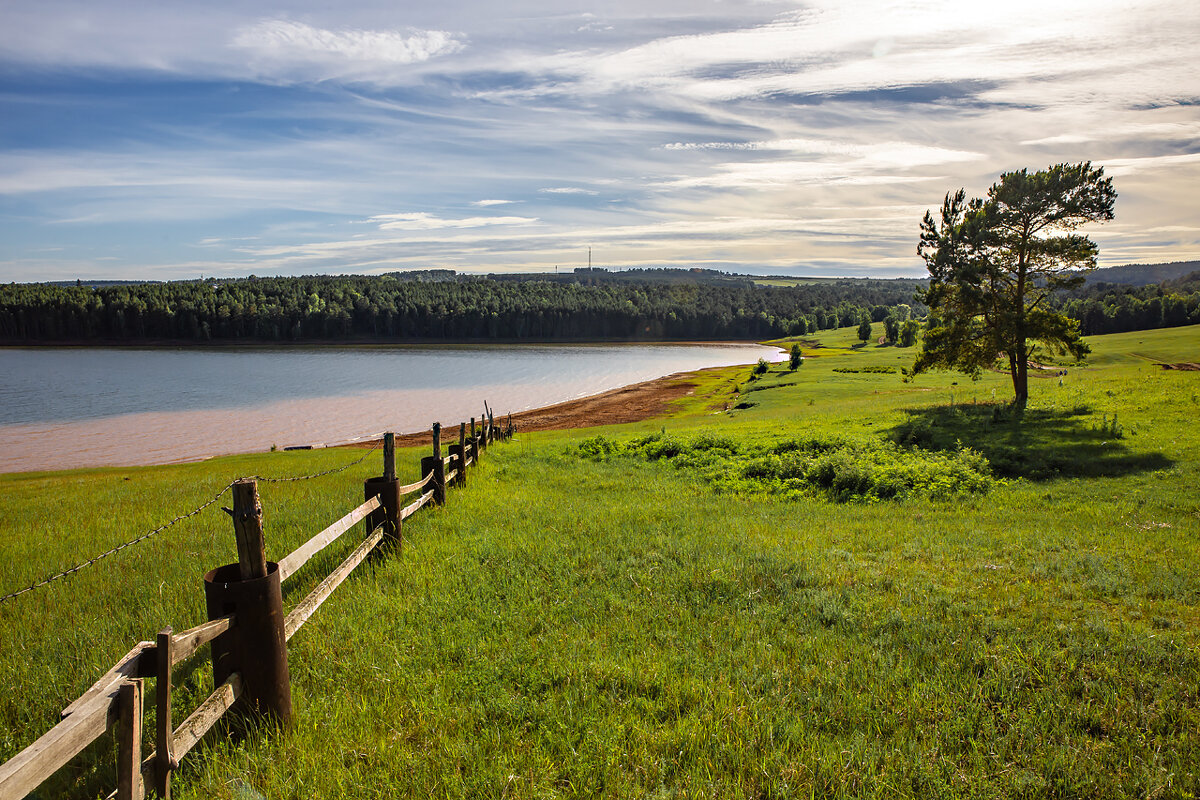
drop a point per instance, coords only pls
(795, 358)
(761, 367)
(838, 469)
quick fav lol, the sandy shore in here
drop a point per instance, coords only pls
(631, 403)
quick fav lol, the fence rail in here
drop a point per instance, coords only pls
(249, 642)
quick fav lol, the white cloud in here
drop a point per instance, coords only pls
(1129, 166)
(567, 190)
(486, 203)
(286, 47)
(421, 221)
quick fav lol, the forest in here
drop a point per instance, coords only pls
(1118, 308)
(587, 304)
(440, 305)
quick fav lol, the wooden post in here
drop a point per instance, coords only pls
(508, 434)
(164, 740)
(387, 489)
(439, 467)
(491, 426)
(473, 443)
(255, 646)
(129, 743)
(389, 456)
(247, 524)
(462, 454)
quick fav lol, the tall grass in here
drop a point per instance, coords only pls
(622, 627)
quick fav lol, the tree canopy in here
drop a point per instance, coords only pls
(440, 306)
(995, 264)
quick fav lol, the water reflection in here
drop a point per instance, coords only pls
(76, 407)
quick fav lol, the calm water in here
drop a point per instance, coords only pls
(72, 407)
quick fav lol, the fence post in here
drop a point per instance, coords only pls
(389, 456)
(430, 464)
(473, 443)
(247, 526)
(439, 467)
(387, 489)
(508, 434)
(129, 743)
(491, 427)
(164, 752)
(462, 454)
(255, 646)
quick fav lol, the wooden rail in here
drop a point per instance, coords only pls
(300, 556)
(118, 699)
(308, 606)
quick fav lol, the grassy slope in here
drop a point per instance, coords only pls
(568, 628)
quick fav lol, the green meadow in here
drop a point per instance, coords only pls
(826, 582)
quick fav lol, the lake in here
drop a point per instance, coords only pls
(65, 407)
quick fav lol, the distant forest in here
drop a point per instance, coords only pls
(440, 305)
(1116, 308)
(586, 304)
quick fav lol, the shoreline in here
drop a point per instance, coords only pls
(635, 402)
(259, 344)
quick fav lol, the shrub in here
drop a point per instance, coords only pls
(795, 358)
(839, 469)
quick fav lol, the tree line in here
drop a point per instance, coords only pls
(1117, 308)
(391, 307)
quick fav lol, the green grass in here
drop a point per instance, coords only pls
(569, 627)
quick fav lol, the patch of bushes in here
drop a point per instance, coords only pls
(842, 470)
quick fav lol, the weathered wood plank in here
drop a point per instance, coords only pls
(164, 739)
(131, 665)
(451, 475)
(129, 742)
(186, 643)
(198, 723)
(300, 556)
(412, 487)
(309, 605)
(25, 771)
(415, 506)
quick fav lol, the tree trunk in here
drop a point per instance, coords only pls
(1020, 376)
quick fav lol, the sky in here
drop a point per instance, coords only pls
(172, 140)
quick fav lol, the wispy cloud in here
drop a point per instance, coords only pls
(421, 221)
(752, 133)
(288, 48)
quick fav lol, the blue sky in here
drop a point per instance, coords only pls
(171, 140)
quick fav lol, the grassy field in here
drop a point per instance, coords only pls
(686, 607)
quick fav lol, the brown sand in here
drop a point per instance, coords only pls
(631, 403)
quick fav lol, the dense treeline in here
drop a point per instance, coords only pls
(452, 307)
(1143, 274)
(1116, 308)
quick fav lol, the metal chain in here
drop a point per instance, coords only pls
(318, 474)
(116, 549)
(180, 518)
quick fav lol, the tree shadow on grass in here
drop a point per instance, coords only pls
(1040, 445)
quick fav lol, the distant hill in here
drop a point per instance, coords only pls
(1143, 274)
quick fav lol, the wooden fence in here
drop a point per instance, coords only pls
(247, 630)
